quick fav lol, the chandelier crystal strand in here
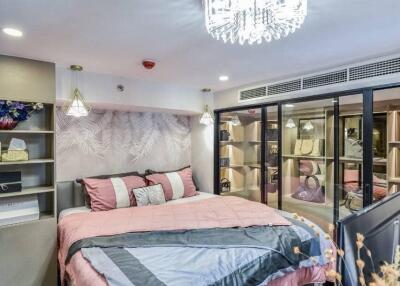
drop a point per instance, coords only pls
(253, 21)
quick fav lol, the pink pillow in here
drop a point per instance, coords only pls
(108, 194)
(176, 185)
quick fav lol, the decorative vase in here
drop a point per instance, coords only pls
(7, 123)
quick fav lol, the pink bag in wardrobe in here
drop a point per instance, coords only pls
(310, 192)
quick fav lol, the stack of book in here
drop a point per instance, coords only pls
(19, 209)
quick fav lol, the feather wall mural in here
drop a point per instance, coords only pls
(107, 142)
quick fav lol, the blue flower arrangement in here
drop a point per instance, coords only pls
(13, 112)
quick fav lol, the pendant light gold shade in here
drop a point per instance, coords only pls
(76, 105)
(290, 123)
(206, 118)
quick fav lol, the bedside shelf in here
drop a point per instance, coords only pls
(42, 217)
(29, 191)
(33, 161)
(26, 131)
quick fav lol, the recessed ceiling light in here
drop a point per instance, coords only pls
(289, 105)
(223, 77)
(12, 32)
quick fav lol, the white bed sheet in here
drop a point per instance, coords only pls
(85, 209)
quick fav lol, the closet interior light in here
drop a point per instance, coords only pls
(290, 123)
(308, 125)
(235, 121)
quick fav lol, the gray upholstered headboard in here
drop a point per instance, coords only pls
(70, 194)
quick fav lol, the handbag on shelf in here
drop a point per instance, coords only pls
(272, 160)
(310, 147)
(224, 135)
(272, 186)
(353, 148)
(309, 167)
(272, 134)
(317, 147)
(225, 185)
(354, 201)
(297, 147)
(306, 192)
(307, 146)
(224, 162)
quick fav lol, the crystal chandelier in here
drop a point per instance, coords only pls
(76, 106)
(253, 20)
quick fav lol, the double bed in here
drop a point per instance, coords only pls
(199, 240)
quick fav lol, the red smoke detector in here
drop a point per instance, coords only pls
(149, 64)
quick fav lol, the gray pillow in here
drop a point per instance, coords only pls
(150, 195)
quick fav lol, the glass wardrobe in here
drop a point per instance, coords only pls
(323, 158)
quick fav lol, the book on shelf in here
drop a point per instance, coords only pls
(19, 209)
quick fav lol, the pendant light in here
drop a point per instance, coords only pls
(235, 121)
(76, 106)
(206, 118)
(308, 126)
(290, 123)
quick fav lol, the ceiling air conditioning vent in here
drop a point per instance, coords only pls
(325, 79)
(253, 93)
(284, 87)
(375, 69)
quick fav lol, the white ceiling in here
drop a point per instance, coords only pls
(114, 36)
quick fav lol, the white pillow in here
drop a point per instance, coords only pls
(150, 195)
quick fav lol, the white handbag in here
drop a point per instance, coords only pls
(307, 146)
(297, 147)
(317, 146)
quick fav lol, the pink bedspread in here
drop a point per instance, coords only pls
(210, 213)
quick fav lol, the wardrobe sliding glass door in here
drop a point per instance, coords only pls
(308, 160)
(386, 143)
(240, 154)
(271, 123)
(350, 176)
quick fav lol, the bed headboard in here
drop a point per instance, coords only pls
(70, 194)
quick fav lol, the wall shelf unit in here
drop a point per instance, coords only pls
(31, 81)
